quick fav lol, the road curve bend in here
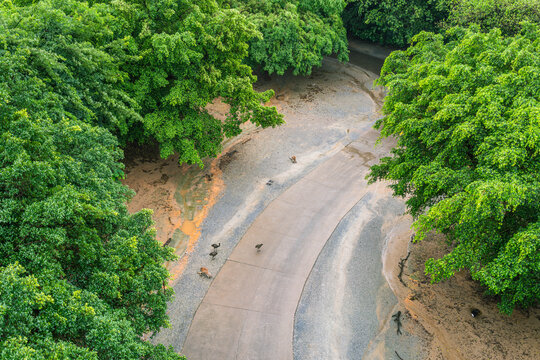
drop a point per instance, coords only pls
(248, 311)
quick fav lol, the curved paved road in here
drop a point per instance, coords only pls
(248, 311)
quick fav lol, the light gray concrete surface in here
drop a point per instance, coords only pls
(346, 304)
(260, 290)
(324, 112)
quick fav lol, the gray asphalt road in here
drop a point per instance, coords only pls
(337, 314)
(346, 305)
(248, 310)
(324, 112)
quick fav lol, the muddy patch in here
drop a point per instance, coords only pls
(311, 91)
(366, 156)
(442, 314)
(179, 195)
(226, 159)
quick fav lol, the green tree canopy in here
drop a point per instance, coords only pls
(296, 34)
(96, 280)
(190, 53)
(465, 110)
(144, 70)
(62, 59)
(393, 22)
(55, 320)
(503, 14)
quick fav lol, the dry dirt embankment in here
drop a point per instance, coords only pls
(441, 313)
(324, 112)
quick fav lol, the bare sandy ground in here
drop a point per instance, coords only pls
(324, 112)
(441, 313)
(180, 197)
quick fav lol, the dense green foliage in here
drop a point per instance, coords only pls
(95, 278)
(188, 54)
(61, 59)
(296, 34)
(145, 71)
(393, 22)
(465, 108)
(503, 14)
(54, 320)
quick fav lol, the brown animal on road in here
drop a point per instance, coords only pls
(167, 242)
(204, 272)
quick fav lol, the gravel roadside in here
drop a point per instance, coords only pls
(324, 112)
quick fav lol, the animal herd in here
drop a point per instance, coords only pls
(204, 272)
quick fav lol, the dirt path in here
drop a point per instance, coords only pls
(334, 107)
(324, 113)
(249, 309)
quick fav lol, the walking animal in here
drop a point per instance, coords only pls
(258, 247)
(215, 246)
(213, 254)
(204, 272)
(397, 319)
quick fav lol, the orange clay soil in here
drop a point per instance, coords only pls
(440, 314)
(179, 195)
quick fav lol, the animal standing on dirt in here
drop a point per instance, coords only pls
(215, 246)
(213, 254)
(167, 242)
(397, 319)
(293, 159)
(258, 247)
(204, 272)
